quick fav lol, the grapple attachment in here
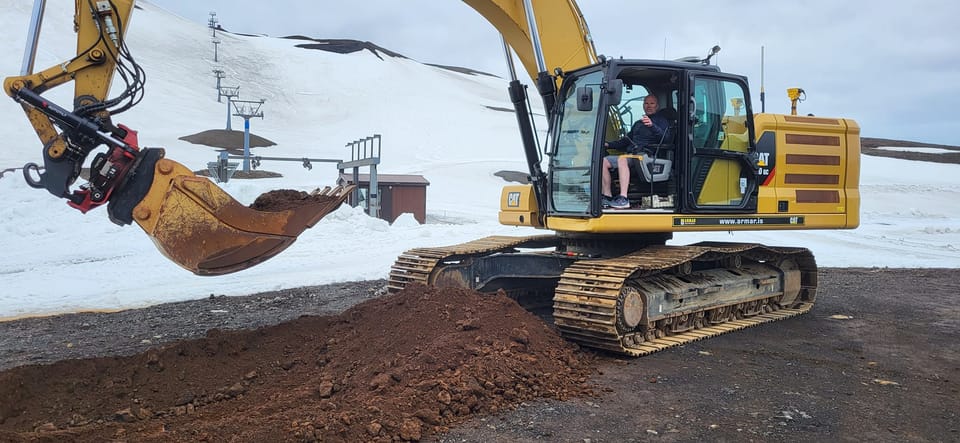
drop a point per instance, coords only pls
(203, 229)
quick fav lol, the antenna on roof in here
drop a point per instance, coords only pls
(713, 51)
(763, 96)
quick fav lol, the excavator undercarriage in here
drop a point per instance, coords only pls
(635, 304)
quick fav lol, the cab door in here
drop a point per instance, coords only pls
(721, 174)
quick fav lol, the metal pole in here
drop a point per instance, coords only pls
(356, 181)
(228, 114)
(374, 194)
(546, 83)
(219, 75)
(356, 191)
(222, 170)
(534, 35)
(33, 37)
(508, 54)
(246, 144)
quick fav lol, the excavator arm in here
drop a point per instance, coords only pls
(191, 220)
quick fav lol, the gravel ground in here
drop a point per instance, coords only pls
(876, 360)
(49, 339)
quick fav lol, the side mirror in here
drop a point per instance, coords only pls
(615, 90)
(584, 98)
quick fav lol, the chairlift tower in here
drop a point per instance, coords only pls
(212, 22)
(229, 92)
(220, 76)
(216, 44)
(247, 109)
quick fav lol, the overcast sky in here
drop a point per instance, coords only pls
(894, 67)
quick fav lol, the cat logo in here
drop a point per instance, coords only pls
(763, 159)
(513, 200)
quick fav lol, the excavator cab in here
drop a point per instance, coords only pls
(191, 220)
(705, 162)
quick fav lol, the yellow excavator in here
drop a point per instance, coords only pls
(610, 278)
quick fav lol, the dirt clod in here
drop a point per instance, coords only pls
(283, 199)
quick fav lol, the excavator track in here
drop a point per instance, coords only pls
(605, 303)
(592, 297)
(416, 265)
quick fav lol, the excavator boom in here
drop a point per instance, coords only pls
(571, 45)
(191, 220)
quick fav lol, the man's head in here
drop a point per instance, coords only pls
(650, 104)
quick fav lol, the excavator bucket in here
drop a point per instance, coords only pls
(203, 229)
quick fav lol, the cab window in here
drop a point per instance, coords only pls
(720, 170)
(570, 191)
(719, 115)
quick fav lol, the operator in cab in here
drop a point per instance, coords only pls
(651, 129)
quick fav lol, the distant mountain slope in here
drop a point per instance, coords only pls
(347, 46)
(871, 146)
(343, 46)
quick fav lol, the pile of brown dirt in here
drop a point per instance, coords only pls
(283, 199)
(400, 367)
